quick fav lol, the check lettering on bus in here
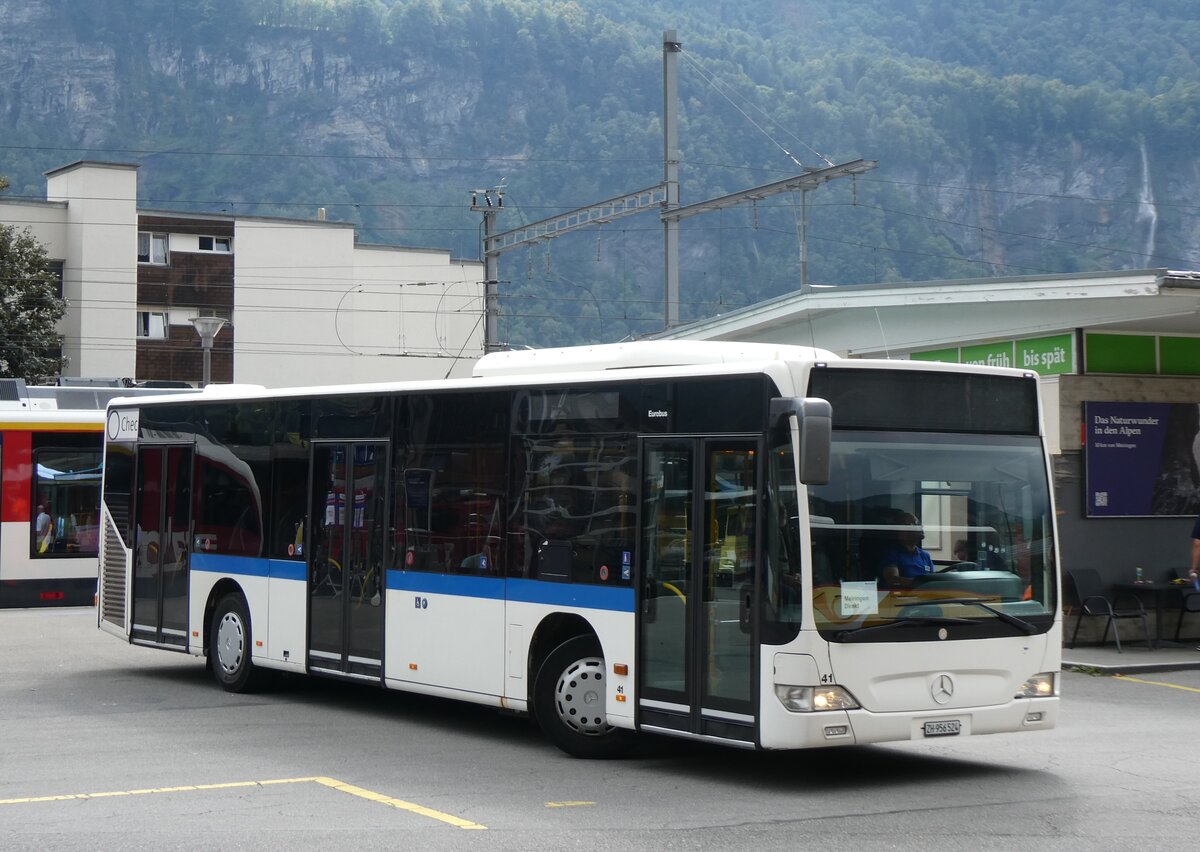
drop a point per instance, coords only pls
(122, 424)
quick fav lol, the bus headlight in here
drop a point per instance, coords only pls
(1042, 685)
(809, 699)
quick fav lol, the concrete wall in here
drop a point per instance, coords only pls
(312, 308)
(100, 269)
(1074, 391)
(1114, 546)
(417, 314)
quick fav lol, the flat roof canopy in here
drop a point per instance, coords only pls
(891, 319)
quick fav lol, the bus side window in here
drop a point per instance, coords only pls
(575, 517)
(448, 485)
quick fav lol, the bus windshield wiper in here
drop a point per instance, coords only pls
(913, 621)
(1019, 623)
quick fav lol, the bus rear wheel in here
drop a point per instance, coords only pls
(229, 646)
(569, 698)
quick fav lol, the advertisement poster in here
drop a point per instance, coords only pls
(1141, 459)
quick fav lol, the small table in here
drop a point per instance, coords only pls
(1161, 590)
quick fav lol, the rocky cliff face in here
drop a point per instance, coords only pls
(421, 122)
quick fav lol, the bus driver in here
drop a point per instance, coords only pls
(906, 559)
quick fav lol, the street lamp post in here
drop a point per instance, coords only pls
(207, 328)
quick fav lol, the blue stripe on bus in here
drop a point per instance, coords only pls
(249, 566)
(491, 588)
(523, 591)
(616, 599)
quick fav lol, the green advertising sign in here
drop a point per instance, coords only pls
(1179, 356)
(950, 355)
(1131, 354)
(1047, 356)
(1122, 353)
(989, 354)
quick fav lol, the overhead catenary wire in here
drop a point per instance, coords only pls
(711, 79)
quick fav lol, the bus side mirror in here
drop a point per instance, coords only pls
(814, 420)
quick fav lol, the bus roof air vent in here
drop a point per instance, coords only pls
(13, 395)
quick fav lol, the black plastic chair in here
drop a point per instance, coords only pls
(1190, 603)
(1089, 588)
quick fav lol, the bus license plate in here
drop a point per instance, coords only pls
(943, 728)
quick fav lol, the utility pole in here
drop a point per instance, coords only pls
(490, 205)
(664, 197)
(804, 288)
(671, 48)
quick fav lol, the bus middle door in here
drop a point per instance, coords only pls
(346, 572)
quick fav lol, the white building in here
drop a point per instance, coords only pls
(305, 303)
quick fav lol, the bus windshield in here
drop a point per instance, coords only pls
(920, 529)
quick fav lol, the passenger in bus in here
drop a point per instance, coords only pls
(906, 560)
(43, 530)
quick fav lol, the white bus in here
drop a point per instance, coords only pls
(690, 539)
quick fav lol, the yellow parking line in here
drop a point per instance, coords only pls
(332, 783)
(1156, 683)
(567, 804)
(398, 803)
(149, 790)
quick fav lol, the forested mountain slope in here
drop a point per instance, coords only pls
(1012, 139)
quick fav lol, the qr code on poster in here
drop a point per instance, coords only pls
(1101, 498)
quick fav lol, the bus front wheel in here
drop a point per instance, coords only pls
(229, 645)
(569, 697)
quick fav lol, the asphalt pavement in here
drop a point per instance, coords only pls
(1133, 657)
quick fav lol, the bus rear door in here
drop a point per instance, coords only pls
(162, 547)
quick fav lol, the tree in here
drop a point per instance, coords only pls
(30, 308)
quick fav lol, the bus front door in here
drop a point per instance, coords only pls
(699, 515)
(162, 546)
(346, 579)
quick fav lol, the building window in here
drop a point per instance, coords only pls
(56, 269)
(152, 324)
(152, 248)
(219, 244)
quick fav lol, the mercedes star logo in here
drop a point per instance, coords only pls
(942, 689)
